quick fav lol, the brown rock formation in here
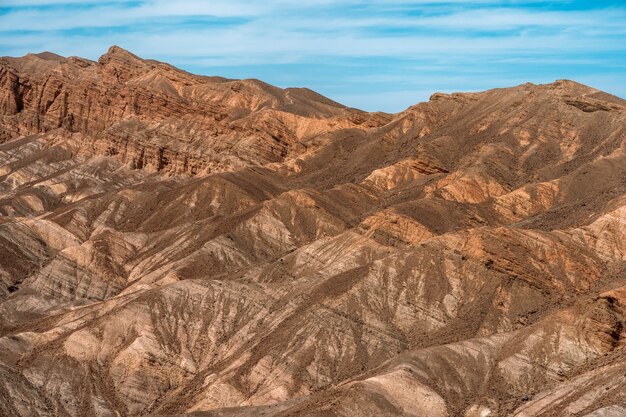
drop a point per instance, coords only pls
(174, 244)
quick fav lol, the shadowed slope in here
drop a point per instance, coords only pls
(175, 244)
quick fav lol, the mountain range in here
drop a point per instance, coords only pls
(174, 244)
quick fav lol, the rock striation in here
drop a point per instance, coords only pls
(174, 244)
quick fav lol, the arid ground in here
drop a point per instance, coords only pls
(174, 244)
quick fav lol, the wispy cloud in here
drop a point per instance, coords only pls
(403, 47)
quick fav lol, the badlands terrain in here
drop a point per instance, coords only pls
(174, 244)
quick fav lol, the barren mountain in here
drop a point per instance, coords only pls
(174, 244)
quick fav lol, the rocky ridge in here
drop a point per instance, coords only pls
(174, 244)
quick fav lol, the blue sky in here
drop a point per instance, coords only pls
(372, 54)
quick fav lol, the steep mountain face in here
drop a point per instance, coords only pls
(148, 114)
(172, 244)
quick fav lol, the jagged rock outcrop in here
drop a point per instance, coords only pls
(172, 244)
(149, 114)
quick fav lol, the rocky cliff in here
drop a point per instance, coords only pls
(172, 244)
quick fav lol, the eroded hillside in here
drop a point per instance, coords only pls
(175, 244)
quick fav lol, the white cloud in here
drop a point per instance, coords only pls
(305, 15)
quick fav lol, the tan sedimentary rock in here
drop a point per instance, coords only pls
(175, 244)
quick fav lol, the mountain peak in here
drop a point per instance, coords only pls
(50, 56)
(115, 53)
(122, 64)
